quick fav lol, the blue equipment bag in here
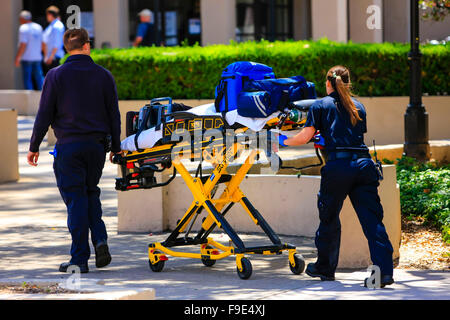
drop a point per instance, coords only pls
(296, 88)
(254, 104)
(303, 92)
(234, 76)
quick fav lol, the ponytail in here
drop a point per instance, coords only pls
(339, 77)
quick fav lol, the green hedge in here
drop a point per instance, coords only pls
(425, 192)
(193, 72)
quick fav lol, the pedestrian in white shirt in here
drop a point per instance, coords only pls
(29, 54)
(53, 39)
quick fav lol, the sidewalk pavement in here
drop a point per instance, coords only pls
(34, 240)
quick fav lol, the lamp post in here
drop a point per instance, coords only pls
(416, 118)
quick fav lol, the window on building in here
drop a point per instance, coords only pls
(178, 20)
(264, 19)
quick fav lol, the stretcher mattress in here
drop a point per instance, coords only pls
(148, 138)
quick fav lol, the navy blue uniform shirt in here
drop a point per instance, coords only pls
(79, 100)
(332, 119)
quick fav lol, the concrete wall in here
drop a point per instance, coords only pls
(111, 23)
(26, 102)
(434, 30)
(329, 19)
(358, 16)
(293, 213)
(10, 76)
(385, 118)
(9, 170)
(141, 210)
(218, 21)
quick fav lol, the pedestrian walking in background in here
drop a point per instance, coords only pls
(29, 53)
(145, 36)
(53, 39)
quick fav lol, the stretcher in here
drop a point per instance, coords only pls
(138, 170)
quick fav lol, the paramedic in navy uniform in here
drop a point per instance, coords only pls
(350, 171)
(79, 100)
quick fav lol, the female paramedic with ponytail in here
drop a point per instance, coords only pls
(350, 171)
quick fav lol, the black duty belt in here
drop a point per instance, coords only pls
(351, 155)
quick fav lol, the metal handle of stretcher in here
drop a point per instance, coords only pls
(303, 105)
(162, 115)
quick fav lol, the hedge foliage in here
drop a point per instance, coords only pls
(193, 72)
(425, 192)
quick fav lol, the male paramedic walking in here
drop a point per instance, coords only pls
(79, 101)
(349, 171)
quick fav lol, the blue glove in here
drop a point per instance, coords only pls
(281, 139)
(54, 152)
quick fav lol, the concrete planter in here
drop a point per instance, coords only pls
(9, 170)
(288, 204)
(26, 102)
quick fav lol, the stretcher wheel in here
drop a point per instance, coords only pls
(157, 267)
(299, 264)
(246, 269)
(208, 262)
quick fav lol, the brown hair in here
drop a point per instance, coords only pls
(53, 10)
(339, 76)
(75, 39)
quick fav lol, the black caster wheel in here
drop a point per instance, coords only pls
(157, 267)
(208, 262)
(299, 264)
(246, 269)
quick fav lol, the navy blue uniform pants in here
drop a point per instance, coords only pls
(78, 167)
(357, 179)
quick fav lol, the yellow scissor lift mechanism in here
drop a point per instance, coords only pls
(137, 172)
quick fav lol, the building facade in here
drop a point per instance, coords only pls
(113, 23)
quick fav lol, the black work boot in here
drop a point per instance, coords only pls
(312, 271)
(102, 256)
(83, 267)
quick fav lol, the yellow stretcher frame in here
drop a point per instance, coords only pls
(210, 250)
(216, 209)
